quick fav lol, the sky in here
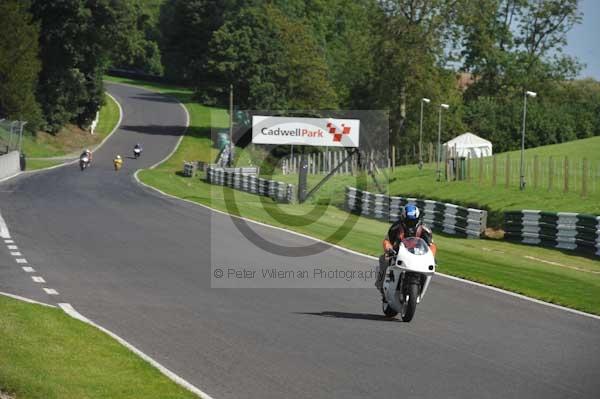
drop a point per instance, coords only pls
(584, 39)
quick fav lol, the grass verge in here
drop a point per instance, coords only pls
(35, 164)
(550, 275)
(63, 358)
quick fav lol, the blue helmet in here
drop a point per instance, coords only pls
(411, 215)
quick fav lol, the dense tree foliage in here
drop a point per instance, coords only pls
(19, 65)
(186, 29)
(138, 49)
(77, 39)
(272, 60)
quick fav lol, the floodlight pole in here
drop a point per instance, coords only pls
(423, 101)
(521, 169)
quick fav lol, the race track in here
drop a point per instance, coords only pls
(138, 263)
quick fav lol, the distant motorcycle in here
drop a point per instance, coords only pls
(137, 152)
(407, 278)
(84, 162)
(118, 162)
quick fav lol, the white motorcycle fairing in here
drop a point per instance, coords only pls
(407, 278)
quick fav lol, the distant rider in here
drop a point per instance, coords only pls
(118, 162)
(408, 225)
(137, 149)
(87, 153)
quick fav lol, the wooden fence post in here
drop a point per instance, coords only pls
(469, 167)
(430, 152)
(480, 170)
(550, 172)
(494, 170)
(584, 176)
(393, 157)
(536, 171)
(507, 171)
(566, 173)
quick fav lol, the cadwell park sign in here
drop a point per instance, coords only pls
(322, 132)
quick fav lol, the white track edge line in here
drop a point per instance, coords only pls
(28, 300)
(4, 233)
(68, 309)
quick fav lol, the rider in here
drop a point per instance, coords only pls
(408, 225)
(118, 162)
(137, 147)
(87, 153)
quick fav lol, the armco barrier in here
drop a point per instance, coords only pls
(440, 216)
(573, 231)
(234, 178)
(9, 164)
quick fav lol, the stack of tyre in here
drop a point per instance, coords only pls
(572, 231)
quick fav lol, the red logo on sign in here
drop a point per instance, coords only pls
(337, 132)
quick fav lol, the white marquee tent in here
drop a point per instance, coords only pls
(469, 145)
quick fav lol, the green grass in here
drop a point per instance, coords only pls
(575, 282)
(409, 181)
(35, 164)
(68, 140)
(585, 148)
(46, 354)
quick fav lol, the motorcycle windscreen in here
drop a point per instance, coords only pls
(415, 246)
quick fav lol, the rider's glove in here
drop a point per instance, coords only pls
(390, 252)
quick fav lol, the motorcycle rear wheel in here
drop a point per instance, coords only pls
(409, 307)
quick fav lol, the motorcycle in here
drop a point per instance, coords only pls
(407, 278)
(137, 152)
(84, 162)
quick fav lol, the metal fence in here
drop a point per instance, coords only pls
(11, 135)
(325, 161)
(562, 174)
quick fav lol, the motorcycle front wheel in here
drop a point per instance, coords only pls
(409, 307)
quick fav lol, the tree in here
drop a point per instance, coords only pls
(411, 57)
(513, 44)
(186, 28)
(272, 60)
(77, 38)
(138, 48)
(19, 65)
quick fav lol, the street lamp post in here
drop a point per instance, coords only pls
(522, 173)
(439, 143)
(423, 101)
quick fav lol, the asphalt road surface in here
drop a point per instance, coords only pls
(138, 264)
